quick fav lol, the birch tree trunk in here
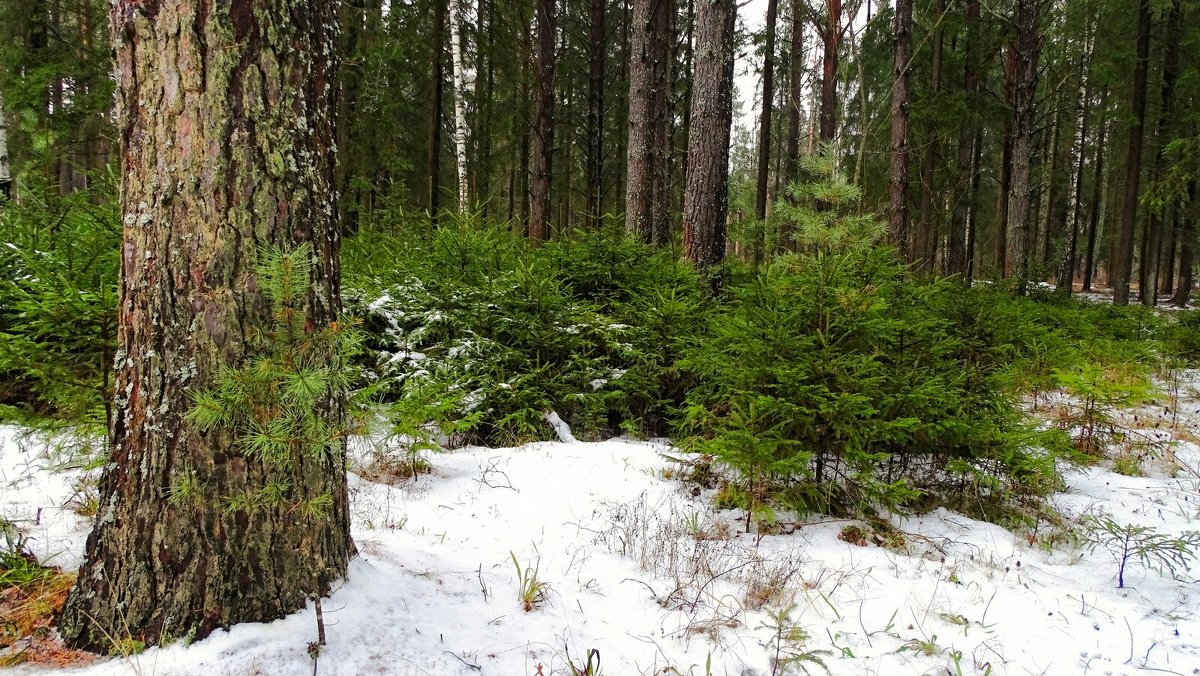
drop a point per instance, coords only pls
(226, 126)
(5, 169)
(460, 104)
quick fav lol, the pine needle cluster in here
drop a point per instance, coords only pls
(296, 394)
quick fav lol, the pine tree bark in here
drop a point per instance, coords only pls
(226, 125)
(646, 197)
(831, 35)
(1122, 263)
(706, 193)
(543, 128)
(898, 185)
(1020, 201)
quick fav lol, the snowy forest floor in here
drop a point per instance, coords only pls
(638, 566)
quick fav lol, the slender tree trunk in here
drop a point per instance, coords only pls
(922, 249)
(1122, 263)
(543, 129)
(1024, 113)
(1006, 161)
(795, 93)
(1187, 243)
(483, 196)
(597, 35)
(434, 164)
(706, 198)
(956, 258)
(250, 163)
(973, 203)
(1152, 236)
(351, 22)
(660, 155)
(1050, 161)
(1066, 266)
(460, 103)
(764, 124)
(832, 37)
(1097, 196)
(898, 186)
(1166, 285)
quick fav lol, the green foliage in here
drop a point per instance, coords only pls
(294, 396)
(58, 306)
(531, 589)
(1098, 392)
(1142, 544)
(1181, 338)
(833, 383)
(479, 336)
(787, 645)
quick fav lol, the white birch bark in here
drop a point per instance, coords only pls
(5, 171)
(460, 108)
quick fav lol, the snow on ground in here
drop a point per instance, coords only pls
(642, 570)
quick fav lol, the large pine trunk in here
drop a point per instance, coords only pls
(924, 242)
(795, 96)
(1122, 263)
(706, 195)
(226, 128)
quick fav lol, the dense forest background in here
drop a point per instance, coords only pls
(1078, 116)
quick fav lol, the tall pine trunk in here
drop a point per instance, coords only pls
(647, 178)
(706, 193)
(831, 34)
(898, 185)
(543, 128)
(236, 153)
(1089, 255)
(1122, 263)
(1020, 203)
